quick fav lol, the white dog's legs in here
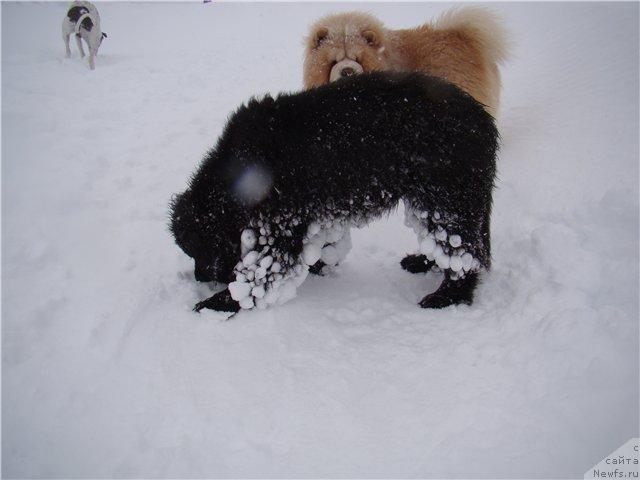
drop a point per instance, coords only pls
(92, 64)
(65, 38)
(79, 42)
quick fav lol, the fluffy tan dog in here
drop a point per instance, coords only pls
(464, 46)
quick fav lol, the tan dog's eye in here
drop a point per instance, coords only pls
(370, 37)
(320, 36)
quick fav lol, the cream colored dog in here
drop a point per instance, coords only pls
(464, 46)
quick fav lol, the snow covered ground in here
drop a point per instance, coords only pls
(106, 371)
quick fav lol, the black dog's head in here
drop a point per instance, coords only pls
(211, 244)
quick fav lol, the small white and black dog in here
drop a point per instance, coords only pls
(83, 20)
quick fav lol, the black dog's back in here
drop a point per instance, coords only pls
(391, 123)
(389, 135)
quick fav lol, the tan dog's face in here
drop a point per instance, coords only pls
(343, 45)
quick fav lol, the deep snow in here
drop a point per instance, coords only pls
(106, 370)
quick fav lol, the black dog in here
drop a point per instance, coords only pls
(290, 175)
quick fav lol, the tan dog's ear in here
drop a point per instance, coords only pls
(320, 35)
(371, 37)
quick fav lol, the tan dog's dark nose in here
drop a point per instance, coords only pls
(347, 71)
(344, 68)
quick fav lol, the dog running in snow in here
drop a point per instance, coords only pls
(83, 21)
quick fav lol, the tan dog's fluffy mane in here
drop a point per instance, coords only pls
(464, 46)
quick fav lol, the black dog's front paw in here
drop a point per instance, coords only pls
(416, 264)
(437, 300)
(221, 302)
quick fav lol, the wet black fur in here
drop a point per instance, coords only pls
(352, 148)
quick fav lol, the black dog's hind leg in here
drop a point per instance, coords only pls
(221, 302)
(413, 263)
(452, 292)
